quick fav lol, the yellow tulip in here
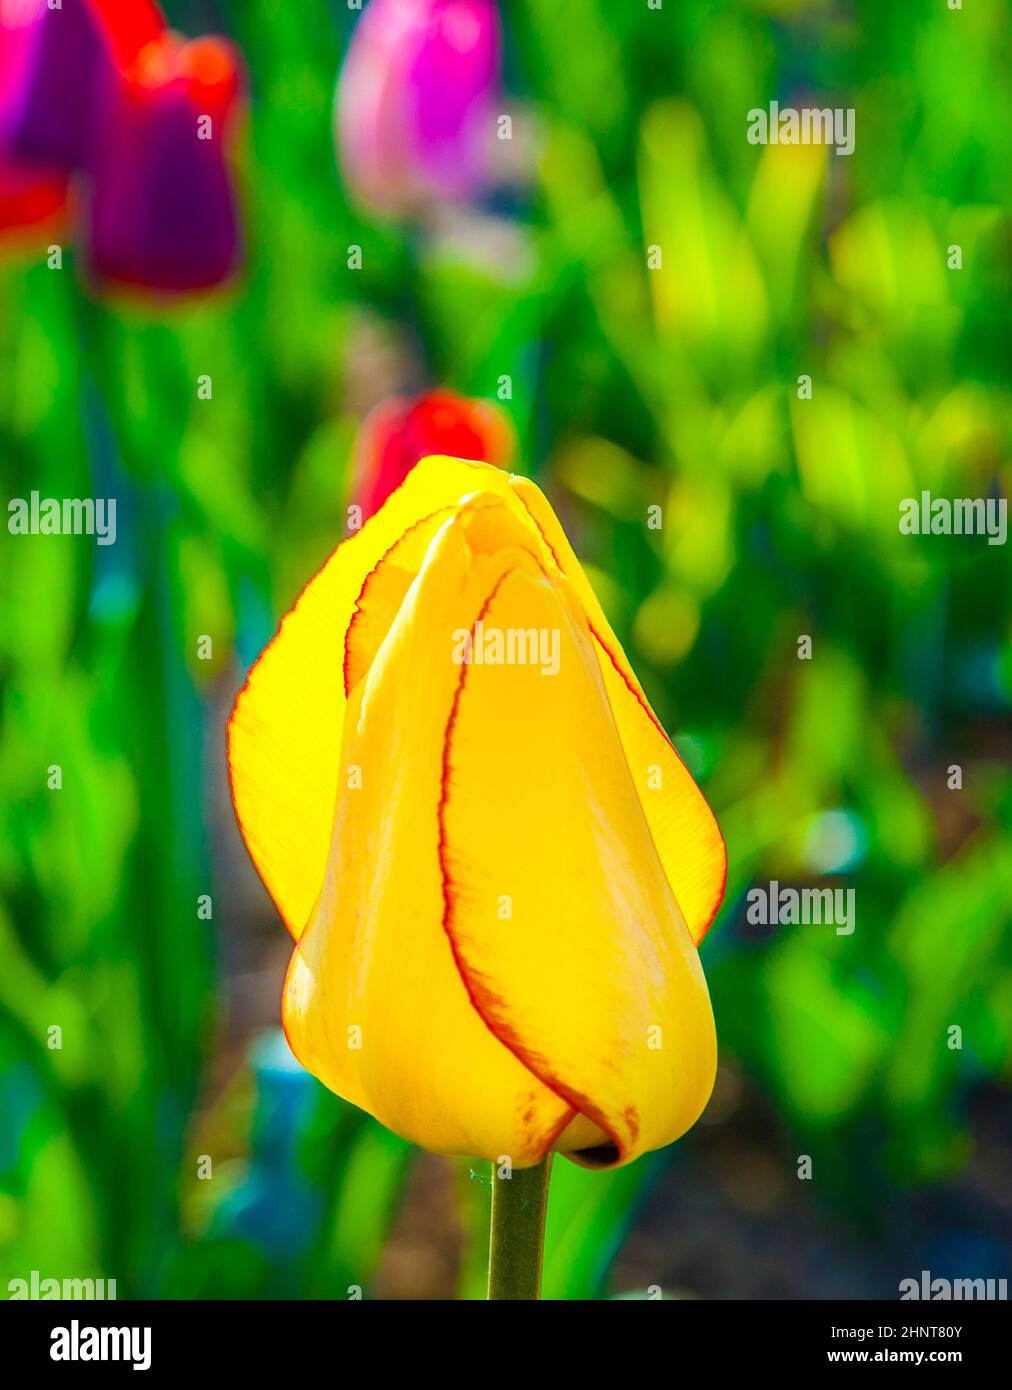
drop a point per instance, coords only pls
(494, 865)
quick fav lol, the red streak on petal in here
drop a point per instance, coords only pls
(363, 594)
(487, 1004)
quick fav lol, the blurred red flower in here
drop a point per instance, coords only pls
(399, 432)
(32, 206)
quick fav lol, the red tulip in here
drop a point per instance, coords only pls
(32, 205)
(398, 433)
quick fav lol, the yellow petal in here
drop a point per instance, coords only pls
(684, 828)
(374, 1003)
(284, 736)
(592, 980)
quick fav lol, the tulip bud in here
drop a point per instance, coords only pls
(163, 214)
(414, 118)
(496, 916)
(397, 433)
(58, 67)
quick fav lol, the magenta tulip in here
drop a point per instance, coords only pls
(415, 111)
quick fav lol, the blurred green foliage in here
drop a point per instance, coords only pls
(632, 387)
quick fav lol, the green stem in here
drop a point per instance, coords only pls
(519, 1204)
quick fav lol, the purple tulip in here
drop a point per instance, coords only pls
(415, 115)
(60, 63)
(163, 211)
